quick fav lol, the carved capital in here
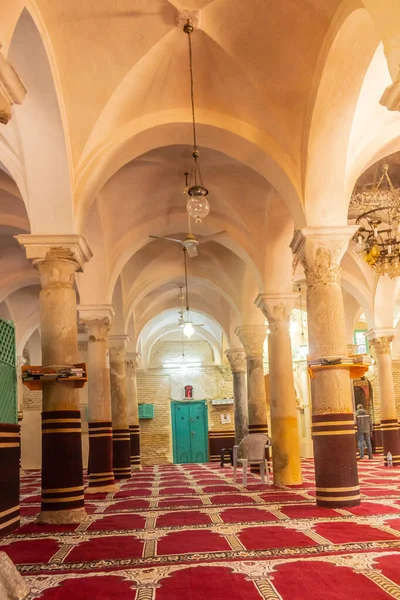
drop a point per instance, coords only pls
(21, 360)
(97, 320)
(118, 345)
(41, 248)
(252, 338)
(57, 269)
(321, 249)
(381, 340)
(12, 90)
(277, 309)
(237, 360)
(97, 328)
(132, 363)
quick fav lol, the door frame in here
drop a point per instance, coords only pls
(174, 433)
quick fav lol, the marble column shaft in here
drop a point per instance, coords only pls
(133, 409)
(252, 338)
(333, 420)
(101, 476)
(62, 469)
(389, 424)
(284, 425)
(237, 361)
(119, 408)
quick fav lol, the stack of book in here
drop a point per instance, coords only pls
(361, 359)
(52, 373)
(67, 372)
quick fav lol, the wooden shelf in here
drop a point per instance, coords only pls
(37, 384)
(356, 371)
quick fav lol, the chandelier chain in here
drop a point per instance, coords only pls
(186, 280)
(196, 153)
(192, 90)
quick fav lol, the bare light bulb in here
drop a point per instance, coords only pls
(188, 329)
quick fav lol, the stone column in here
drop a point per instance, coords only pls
(252, 338)
(97, 320)
(237, 361)
(321, 250)
(284, 426)
(57, 258)
(133, 409)
(119, 407)
(20, 399)
(381, 340)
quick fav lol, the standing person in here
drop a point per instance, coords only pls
(364, 430)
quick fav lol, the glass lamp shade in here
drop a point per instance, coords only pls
(188, 329)
(303, 351)
(197, 204)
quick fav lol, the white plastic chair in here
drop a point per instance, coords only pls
(253, 451)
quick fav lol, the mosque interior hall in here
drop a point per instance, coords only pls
(200, 300)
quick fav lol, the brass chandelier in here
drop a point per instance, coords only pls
(376, 210)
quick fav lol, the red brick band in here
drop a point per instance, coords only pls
(391, 440)
(100, 454)
(219, 439)
(259, 428)
(121, 453)
(9, 477)
(134, 431)
(62, 472)
(335, 460)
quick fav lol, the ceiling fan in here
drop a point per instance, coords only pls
(190, 243)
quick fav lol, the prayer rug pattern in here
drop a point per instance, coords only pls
(187, 531)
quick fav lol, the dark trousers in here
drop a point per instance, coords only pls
(367, 437)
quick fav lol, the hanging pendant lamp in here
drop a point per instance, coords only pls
(197, 205)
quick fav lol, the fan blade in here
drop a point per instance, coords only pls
(191, 250)
(162, 237)
(209, 238)
(198, 324)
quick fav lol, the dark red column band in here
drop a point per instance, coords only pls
(62, 473)
(100, 454)
(9, 477)
(391, 440)
(335, 460)
(377, 444)
(134, 431)
(121, 453)
(218, 440)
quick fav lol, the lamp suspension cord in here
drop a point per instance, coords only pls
(188, 30)
(186, 280)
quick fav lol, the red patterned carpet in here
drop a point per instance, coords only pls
(187, 532)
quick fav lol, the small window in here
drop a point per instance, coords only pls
(360, 341)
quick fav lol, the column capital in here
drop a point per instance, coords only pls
(321, 249)
(12, 90)
(118, 344)
(237, 359)
(276, 308)
(97, 320)
(21, 360)
(71, 248)
(252, 338)
(132, 362)
(381, 339)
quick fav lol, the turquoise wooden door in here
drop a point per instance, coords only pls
(190, 431)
